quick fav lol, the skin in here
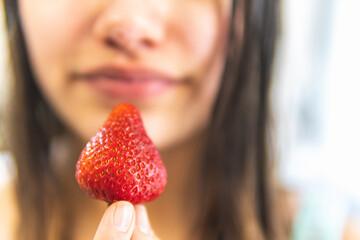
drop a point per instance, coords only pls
(182, 39)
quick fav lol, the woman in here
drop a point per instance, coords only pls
(199, 72)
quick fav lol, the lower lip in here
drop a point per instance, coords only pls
(116, 88)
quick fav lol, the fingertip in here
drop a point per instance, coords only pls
(140, 208)
(118, 222)
(142, 220)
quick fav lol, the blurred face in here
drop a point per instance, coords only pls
(163, 56)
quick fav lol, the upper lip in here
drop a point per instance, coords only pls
(125, 74)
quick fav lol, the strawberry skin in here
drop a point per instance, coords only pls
(120, 162)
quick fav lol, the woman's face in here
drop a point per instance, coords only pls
(163, 56)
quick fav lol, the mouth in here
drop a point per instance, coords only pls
(130, 83)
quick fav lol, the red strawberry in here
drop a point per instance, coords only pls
(120, 162)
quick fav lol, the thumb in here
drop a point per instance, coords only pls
(117, 223)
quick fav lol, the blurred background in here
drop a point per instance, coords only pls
(317, 94)
(316, 97)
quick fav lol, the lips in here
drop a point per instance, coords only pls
(135, 83)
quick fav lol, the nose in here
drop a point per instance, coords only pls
(130, 26)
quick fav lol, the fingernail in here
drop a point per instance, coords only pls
(142, 220)
(123, 216)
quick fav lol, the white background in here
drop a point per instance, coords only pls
(317, 95)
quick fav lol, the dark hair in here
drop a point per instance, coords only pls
(238, 190)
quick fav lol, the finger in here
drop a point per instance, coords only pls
(117, 223)
(143, 230)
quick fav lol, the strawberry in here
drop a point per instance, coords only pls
(120, 162)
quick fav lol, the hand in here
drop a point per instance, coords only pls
(123, 221)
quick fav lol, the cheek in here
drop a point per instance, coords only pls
(197, 28)
(51, 29)
(201, 30)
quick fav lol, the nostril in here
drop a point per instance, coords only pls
(111, 43)
(143, 43)
(147, 43)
